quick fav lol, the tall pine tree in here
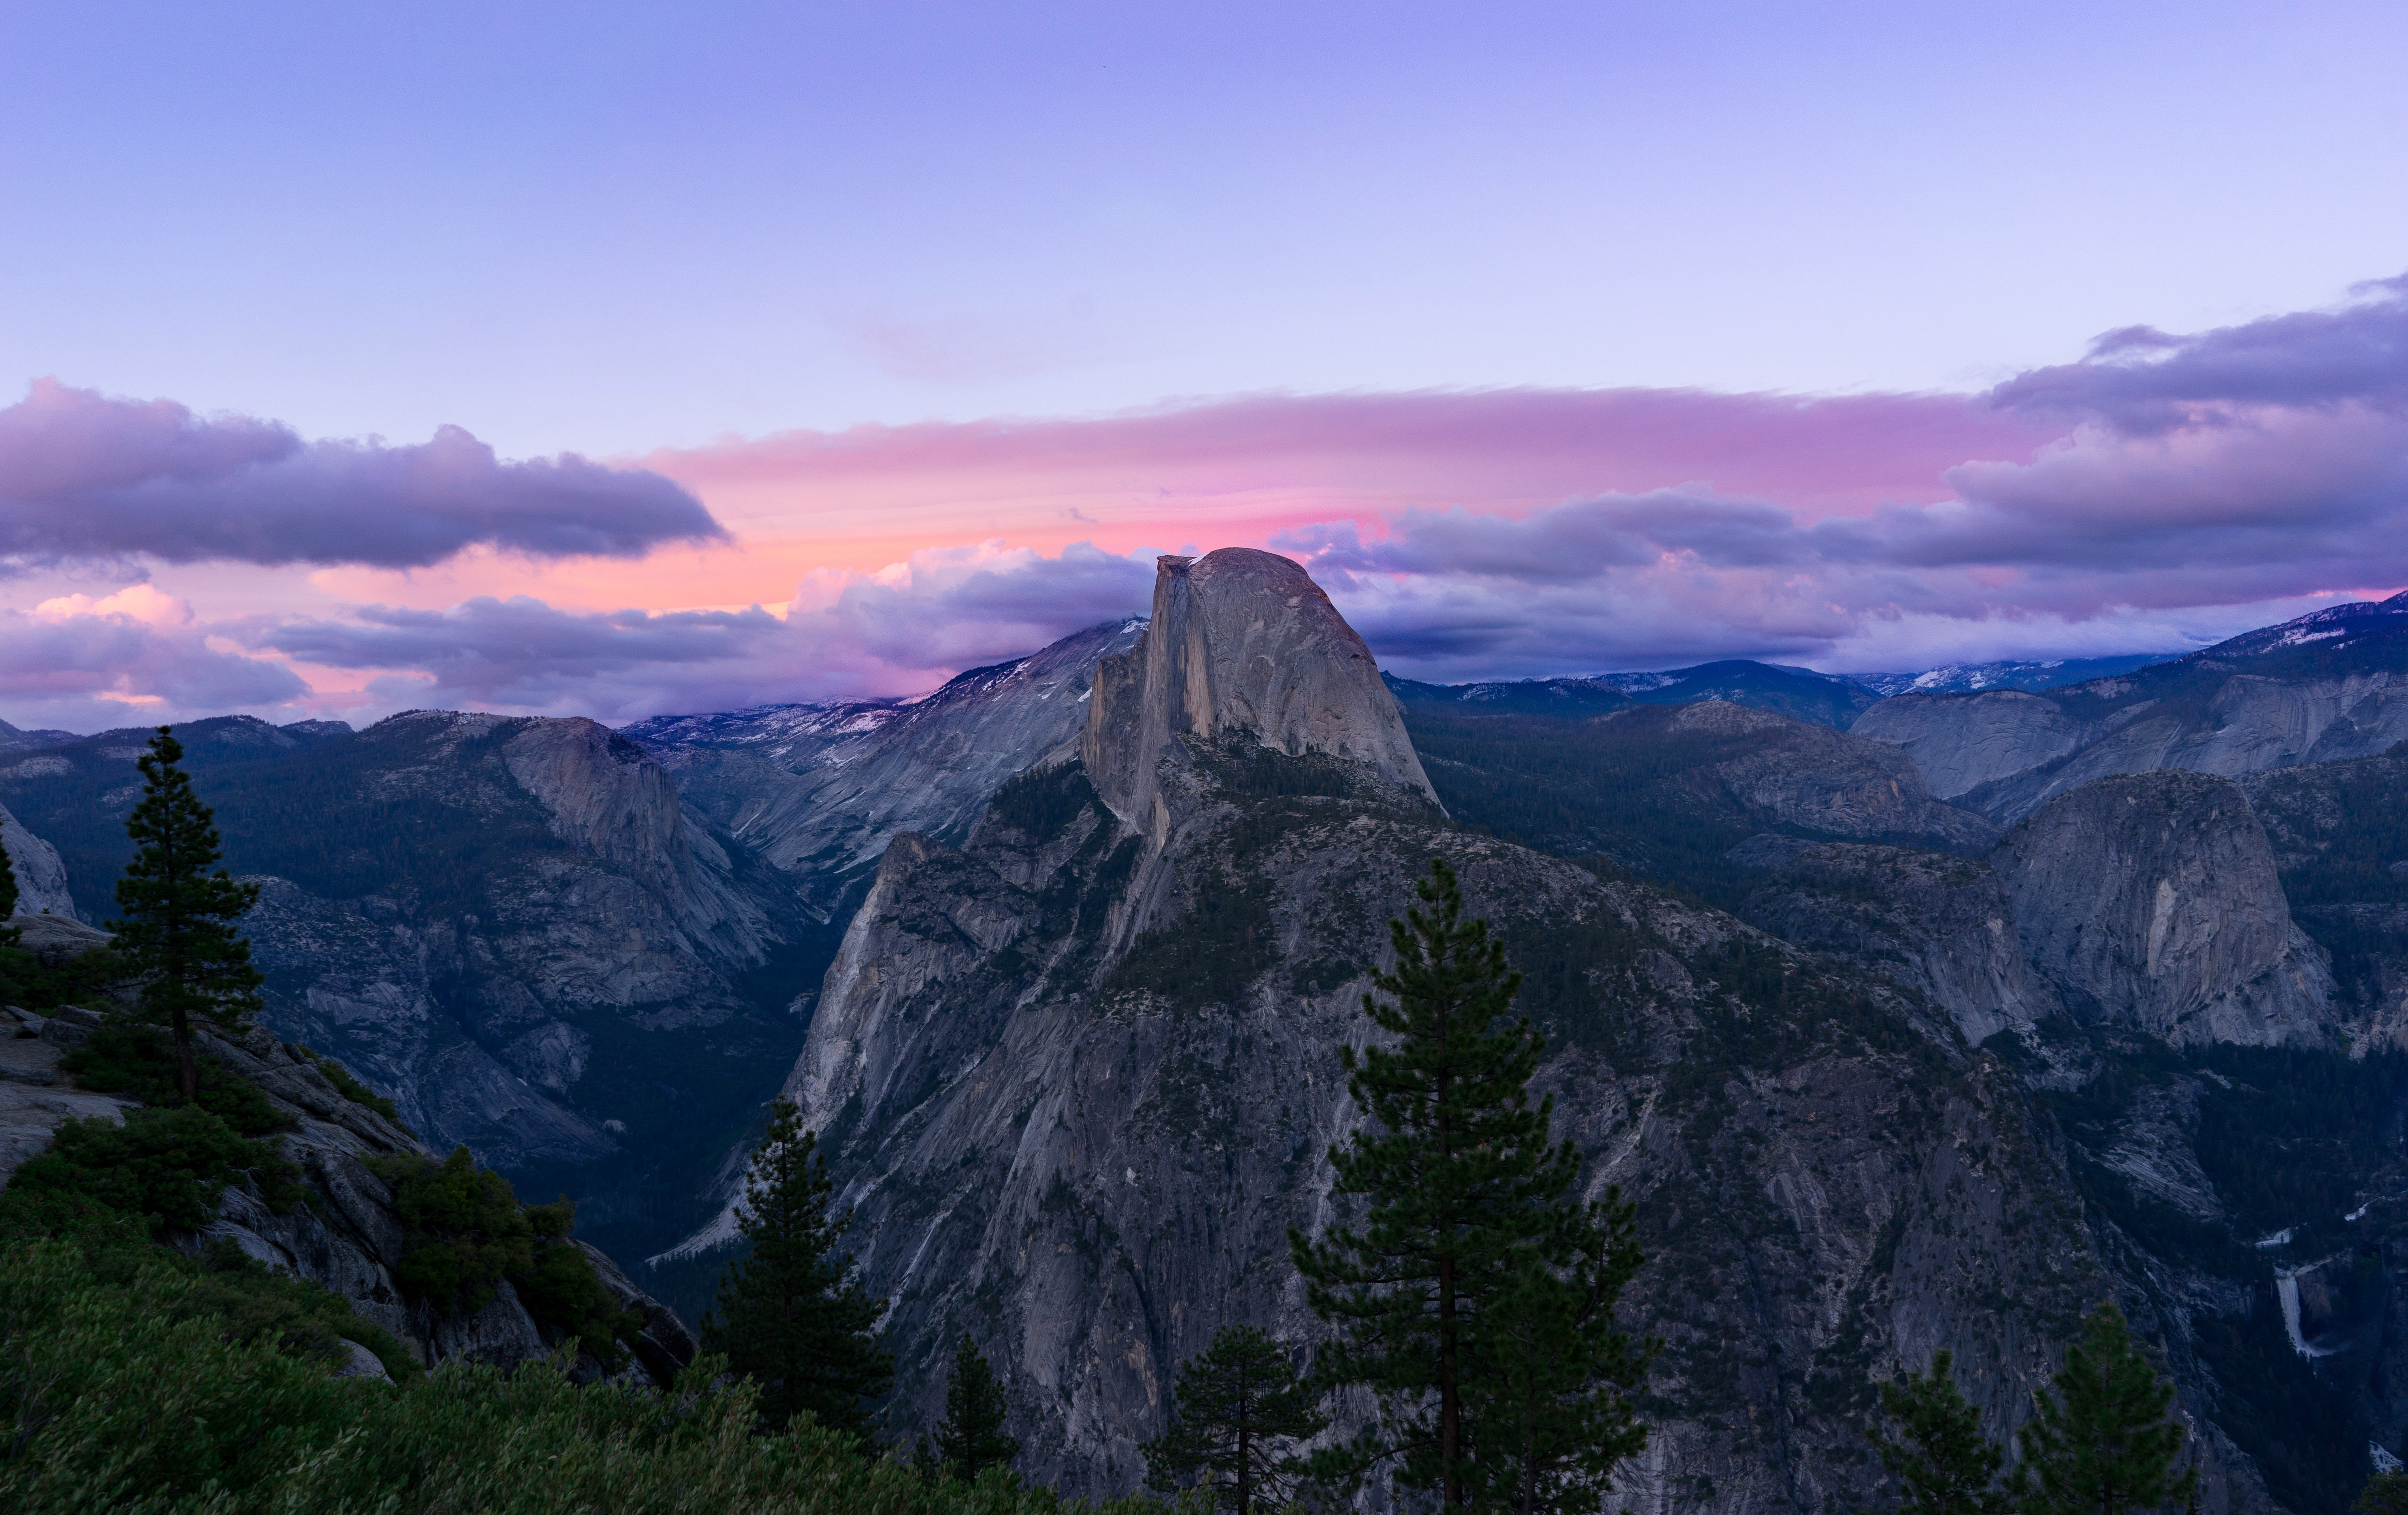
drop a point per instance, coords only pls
(1238, 1413)
(970, 1439)
(2103, 1439)
(1935, 1449)
(1467, 1250)
(791, 1315)
(177, 919)
(1548, 1400)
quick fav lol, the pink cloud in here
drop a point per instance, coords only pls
(2166, 490)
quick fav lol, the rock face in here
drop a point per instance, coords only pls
(1799, 774)
(515, 928)
(1244, 642)
(347, 1236)
(2151, 901)
(1077, 1076)
(818, 792)
(1940, 925)
(2326, 688)
(1089, 1158)
(41, 878)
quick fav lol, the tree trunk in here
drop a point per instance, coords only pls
(188, 1076)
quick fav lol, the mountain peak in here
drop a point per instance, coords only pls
(1240, 641)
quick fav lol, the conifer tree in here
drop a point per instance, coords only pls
(1546, 1400)
(177, 919)
(2101, 1440)
(2385, 1493)
(791, 1315)
(1238, 1412)
(1938, 1453)
(8, 895)
(1466, 1232)
(970, 1439)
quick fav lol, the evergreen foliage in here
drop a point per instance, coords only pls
(463, 1231)
(8, 896)
(177, 920)
(2386, 1494)
(790, 1315)
(123, 1390)
(167, 1166)
(1467, 1250)
(119, 1058)
(352, 1089)
(970, 1439)
(1548, 1399)
(1935, 1447)
(2102, 1439)
(1238, 1413)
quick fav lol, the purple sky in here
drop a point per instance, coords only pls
(1553, 337)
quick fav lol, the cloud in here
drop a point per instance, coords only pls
(2203, 483)
(129, 657)
(85, 475)
(845, 634)
(2142, 381)
(2166, 490)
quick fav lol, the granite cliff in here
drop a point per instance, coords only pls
(1076, 1072)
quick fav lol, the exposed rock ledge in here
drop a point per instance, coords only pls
(349, 1238)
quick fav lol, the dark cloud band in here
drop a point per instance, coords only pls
(83, 474)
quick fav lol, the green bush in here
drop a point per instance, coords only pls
(85, 978)
(121, 1394)
(125, 1057)
(464, 1231)
(166, 1165)
(352, 1089)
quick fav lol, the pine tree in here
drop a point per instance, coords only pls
(790, 1315)
(2101, 1440)
(176, 921)
(1939, 1454)
(970, 1439)
(1547, 1400)
(8, 895)
(1236, 1411)
(2385, 1493)
(1466, 1232)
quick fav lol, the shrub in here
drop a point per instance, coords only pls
(464, 1231)
(125, 1057)
(352, 1089)
(116, 1395)
(166, 1165)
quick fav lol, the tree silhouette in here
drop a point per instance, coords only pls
(1474, 1300)
(1237, 1413)
(176, 921)
(791, 1315)
(1939, 1454)
(2101, 1440)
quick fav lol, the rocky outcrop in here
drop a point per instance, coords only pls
(41, 878)
(1240, 642)
(2151, 901)
(346, 1235)
(1964, 741)
(1940, 925)
(1088, 1157)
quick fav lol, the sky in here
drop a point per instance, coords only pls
(621, 360)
